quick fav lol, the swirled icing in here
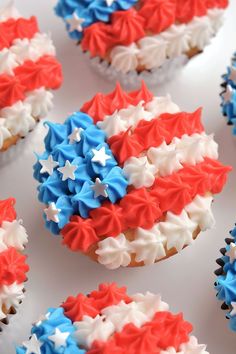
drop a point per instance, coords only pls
(153, 51)
(124, 58)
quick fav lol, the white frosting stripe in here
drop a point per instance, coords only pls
(10, 296)
(13, 234)
(152, 51)
(191, 347)
(125, 118)
(114, 318)
(167, 159)
(149, 245)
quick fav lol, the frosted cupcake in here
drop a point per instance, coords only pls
(28, 71)
(130, 40)
(13, 268)
(129, 179)
(109, 321)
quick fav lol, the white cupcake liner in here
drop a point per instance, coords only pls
(133, 79)
(21, 148)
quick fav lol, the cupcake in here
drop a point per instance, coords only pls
(110, 321)
(28, 71)
(13, 267)
(130, 40)
(129, 179)
(228, 95)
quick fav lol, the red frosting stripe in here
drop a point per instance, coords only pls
(77, 307)
(46, 72)
(153, 133)
(7, 210)
(17, 29)
(143, 207)
(101, 105)
(12, 267)
(164, 331)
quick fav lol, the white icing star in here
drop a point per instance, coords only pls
(100, 156)
(75, 22)
(48, 165)
(52, 213)
(232, 75)
(99, 188)
(33, 345)
(231, 252)
(233, 311)
(68, 171)
(109, 2)
(41, 319)
(59, 338)
(228, 94)
(75, 136)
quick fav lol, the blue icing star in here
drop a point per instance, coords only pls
(84, 200)
(55, 320)
(51, 189)
(233, 233)
(92, 137)
(226, 287)
(78, 120)
(229, 107)
(81, 176)
(117, 184)
(64, 152)
(65, 205)
(95, 168)
(57, 133)
(40, 177)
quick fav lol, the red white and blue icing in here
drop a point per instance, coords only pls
(226, 279)
(228, 96)
(109, 321)
(129, 162)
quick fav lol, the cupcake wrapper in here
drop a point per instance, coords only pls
(133, 79)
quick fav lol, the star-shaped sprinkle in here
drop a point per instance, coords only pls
(232, 75)
(75, 22)
(228, 94)
(42, 319)
(33, 345)
(99, 188)
(231, 252)
(68, 171)
(75, 136)
(233, 311)
(48, 165)
(109, 2)
(100, 156)
(59, 338)
(52, 213)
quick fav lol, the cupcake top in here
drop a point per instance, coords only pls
(28, 69)
(129, 163)
(226, 279)
(228, 96)
(13, 267)
(110, 321)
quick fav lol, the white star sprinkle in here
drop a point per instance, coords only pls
(99, 188)
(59, 338)
(33, 345)
(48, 165)
(231, 252)
(42, 319)
(228, 94)
(68, 171)
(233, 311)
(232, 75)
(75, 23)
(75, 136)
(109, 2)
(100, 156)
(52, 213)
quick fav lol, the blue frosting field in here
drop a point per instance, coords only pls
(229, 108)
(77, 196)
(90, 10)
(226, 283)
(45, 329)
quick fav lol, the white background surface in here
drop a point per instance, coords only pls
(185, 281)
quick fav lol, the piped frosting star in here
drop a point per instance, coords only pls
(33, 345)
(99, 188)
(231, 252)
(109, 2)
(228, 94)
(59, 338)
(75, 22)
(75, 136)
(100, 156)
(42, 319)
(52, 213)
(68, 171)
(48, 165)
